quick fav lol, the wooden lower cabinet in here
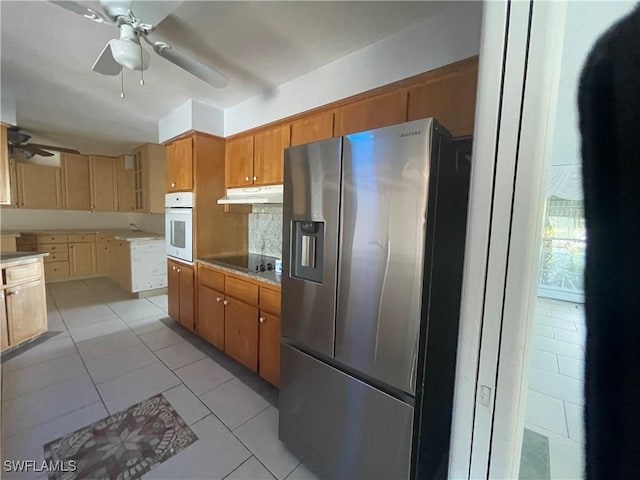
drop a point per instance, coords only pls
(240, 317)
(269, 348)
(4, 328)
(82, 259)
(211, 316)
(181, 283)
(23, 304)
(187, 293)
(241, 332)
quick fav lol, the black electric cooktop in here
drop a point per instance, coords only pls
(251, 262)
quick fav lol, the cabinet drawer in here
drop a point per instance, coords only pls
(211, 278)
(86, 237)
(23, 273)
(59, 256)
(53, 247)
(26, 239)
(52, 239)
(53, 271)
(270, 300)
(245, 291)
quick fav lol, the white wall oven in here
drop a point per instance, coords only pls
(179, 225)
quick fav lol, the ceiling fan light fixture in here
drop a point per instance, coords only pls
(128, 54)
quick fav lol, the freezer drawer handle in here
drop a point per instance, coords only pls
(308, 253)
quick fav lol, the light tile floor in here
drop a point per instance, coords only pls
(556, 376)
(110, 351)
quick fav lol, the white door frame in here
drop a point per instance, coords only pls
(516, 95)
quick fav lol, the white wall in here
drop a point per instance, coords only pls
(452, 35)
(191, 115)
(25, 219)
(7, 109)
(586, 21)
(22, 219)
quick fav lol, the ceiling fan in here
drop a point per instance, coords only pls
(136, 20)
(17, 139)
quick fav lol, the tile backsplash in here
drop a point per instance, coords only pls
(265, 230)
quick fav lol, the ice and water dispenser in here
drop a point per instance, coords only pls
(307, 250)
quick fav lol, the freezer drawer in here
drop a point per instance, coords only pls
(341, 427)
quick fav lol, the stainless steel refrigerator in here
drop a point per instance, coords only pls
(373, 234)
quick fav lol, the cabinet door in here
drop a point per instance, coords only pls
(4, 328)
(173, 287)
(104, 191)
(76, 193)
(211, 316)
(82, 259)
(269, 348)
(154, 177)
(187, 297)
(451, 99)
(39, 187)
(26, 311)
(180, 165)
(241, 332)
(5, 185)
(312, 129)
(102, 257)
(238, 161)
(375, 112)
(126, 177)
(268, 159)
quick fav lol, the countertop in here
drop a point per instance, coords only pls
(118, 234)
(271, 277)
(7, 258)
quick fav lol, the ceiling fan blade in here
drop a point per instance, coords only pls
(191, 65)
(51, 147)
(15, 137)
(106, 64)
(34, 150)
(154, 11)
(86, 12)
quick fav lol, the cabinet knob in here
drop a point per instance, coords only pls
(225, 302)
(246, 179)
(173, 184)
(15, 292)
(218, 299)
(178, 270)
(173, 268)
(262, 319)
(255, 178)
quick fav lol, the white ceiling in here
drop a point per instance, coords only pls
(47, 53)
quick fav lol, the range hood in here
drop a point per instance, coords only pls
(251, 195)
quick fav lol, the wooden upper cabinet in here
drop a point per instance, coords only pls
(152, 159)
(5, 185)
(312, 129)
(268, 157)
(450, 98)
(179, 158)
(126, 177)
(239, 162)
(104, 191)
(76, 194)
(374, 112)
(39, 187)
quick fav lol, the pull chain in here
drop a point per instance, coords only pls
(141, 66)
(122, 83)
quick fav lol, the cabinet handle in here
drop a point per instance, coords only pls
(255, 178)
(173, 268)
(246, 179)
(173, 184)
(225, 302)
(15, 292)
(262, 319)
(218, 299)
(178, 270)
